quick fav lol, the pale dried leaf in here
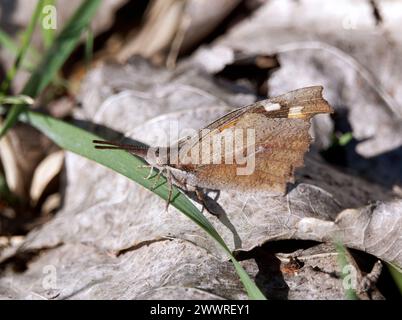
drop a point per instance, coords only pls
(24, 148)
(51, 204)
(44, 173)
(13, 174)
(172, 26)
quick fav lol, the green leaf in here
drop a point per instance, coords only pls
(4, 190)
(26, 40)
(20, 99)
(343, 262)
(396, 274)
(79, 141)
(5, 193)
(9, 44)
(89, 47)
(61, 48)
(345, 138)
(54, 58)
(11, 118)
(47, 34)
(252, 290)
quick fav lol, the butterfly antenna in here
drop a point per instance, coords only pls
(110, 145)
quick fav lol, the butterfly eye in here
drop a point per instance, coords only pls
(157, 152)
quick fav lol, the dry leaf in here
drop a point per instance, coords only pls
(13, 174)
(24, 147)
(44, 173)
(173, 26)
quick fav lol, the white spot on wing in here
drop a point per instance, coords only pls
(295, 111)
(272, 107)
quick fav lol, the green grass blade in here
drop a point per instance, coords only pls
(4, 190)
(61, 48)
(79, 141)
(54, 58)
(89, 47)
(350, 293)
(11, 118)
(26, 40)
(253, 291)
(47, 34)
(14, 100)
(396, 274)
(9, 44)
(5, 194)
(345, 139)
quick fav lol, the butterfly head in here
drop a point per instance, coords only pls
(157, 156)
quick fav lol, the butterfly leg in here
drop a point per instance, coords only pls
(147, 166)
(150, 173)
(201, 197)
(157, 179)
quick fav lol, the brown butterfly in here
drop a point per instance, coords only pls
(253, 148)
